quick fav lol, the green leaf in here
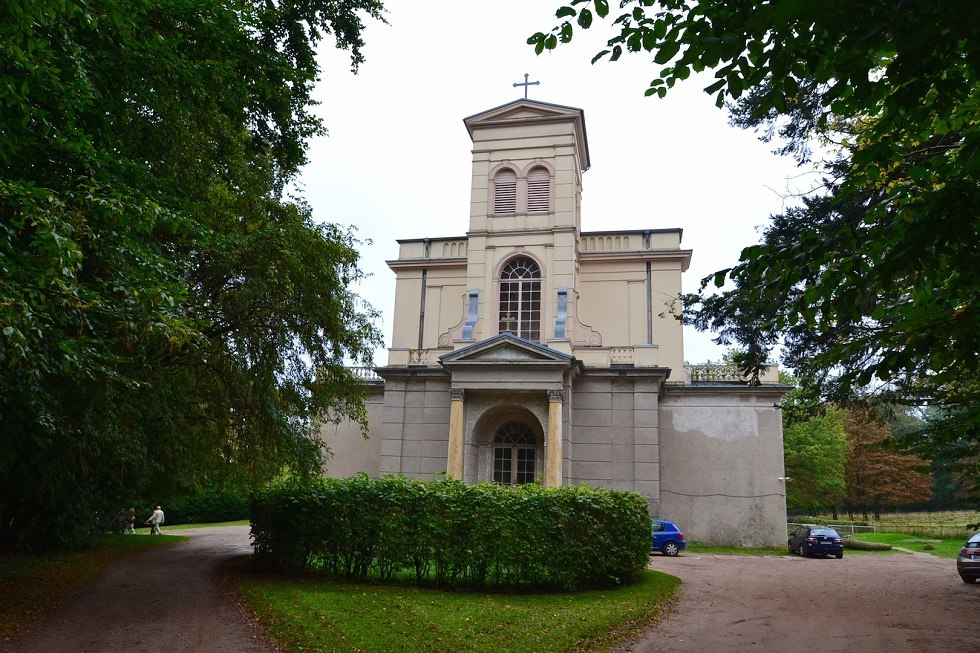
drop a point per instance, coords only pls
(666, 52)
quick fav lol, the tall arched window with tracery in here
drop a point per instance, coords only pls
(538, 190)
(515, 451)
(520, 299)
(505, 191)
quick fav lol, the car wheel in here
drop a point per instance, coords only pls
(969, 579)
(840, 555)
(802, 551)
(671, 549)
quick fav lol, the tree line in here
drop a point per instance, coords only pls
(169, 318)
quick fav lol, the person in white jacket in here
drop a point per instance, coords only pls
(155, 520)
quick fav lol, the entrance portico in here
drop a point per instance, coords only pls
(502, 383)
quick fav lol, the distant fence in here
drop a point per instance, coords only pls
(926, 528)
(843, 529)
(920, 527)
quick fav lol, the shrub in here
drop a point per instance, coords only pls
(208, 505)
(452, 534)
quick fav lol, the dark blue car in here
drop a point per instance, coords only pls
(811, 540)
(666, 537)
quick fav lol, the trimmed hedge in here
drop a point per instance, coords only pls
(452, 534)
(208, 505)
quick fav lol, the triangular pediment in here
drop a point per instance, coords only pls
(530, 112)
(506, 349)
(522, 110)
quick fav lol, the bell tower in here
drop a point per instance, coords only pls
(528, 160)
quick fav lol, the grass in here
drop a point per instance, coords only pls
(327, 615)
(694, 547)
(946, 547)
(32, 585)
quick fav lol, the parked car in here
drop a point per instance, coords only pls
(808, 540)
(968, 560)
(666, 538)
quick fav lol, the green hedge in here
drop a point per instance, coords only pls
(208, 505)
(452, 534)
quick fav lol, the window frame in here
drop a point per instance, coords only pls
(520, 298)
(512, 441)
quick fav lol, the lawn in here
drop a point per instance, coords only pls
(695, 548)
(943, 547)
(31, 585)
(326, 615)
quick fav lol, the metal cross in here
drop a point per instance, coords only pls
(508, 322)
(525, 84)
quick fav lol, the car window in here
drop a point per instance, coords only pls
(657, 526)
(974, 541)
(827, 532)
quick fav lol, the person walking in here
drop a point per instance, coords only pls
(130, 521)
(155, 520)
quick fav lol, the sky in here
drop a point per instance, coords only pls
(396, 162)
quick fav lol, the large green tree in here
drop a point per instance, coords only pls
(870, 286)
(815, 454)
(167, 318)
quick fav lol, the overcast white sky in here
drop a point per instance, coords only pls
(396, 136)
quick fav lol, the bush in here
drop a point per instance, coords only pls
(207, 506)
(452, 534)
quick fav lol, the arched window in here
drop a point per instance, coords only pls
(514, 454)
(505, 191)
(520, 299)
(538, 190)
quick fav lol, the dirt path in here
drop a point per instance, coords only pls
(168, 599)
(867, 603)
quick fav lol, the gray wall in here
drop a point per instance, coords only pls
(721, 460)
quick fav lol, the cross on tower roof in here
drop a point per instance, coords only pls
(525, 84)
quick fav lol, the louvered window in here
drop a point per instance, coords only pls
(538, 191)
(505, 192)
(520, 299)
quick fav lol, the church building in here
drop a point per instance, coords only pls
(530, 351)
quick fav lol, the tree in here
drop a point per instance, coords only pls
(877, 476)
(167, 318)
(816, 451)
(871, 286)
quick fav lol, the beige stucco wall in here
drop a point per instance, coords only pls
(613, 301)
(721, 458)
(349, 451)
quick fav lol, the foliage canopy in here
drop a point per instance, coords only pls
(870, 286)
(167, 318)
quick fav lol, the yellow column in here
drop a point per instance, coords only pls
(454, 459)
(552, 477)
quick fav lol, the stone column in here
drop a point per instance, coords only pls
(553, 466)
(454, 459)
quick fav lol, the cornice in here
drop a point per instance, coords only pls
(429, 263)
